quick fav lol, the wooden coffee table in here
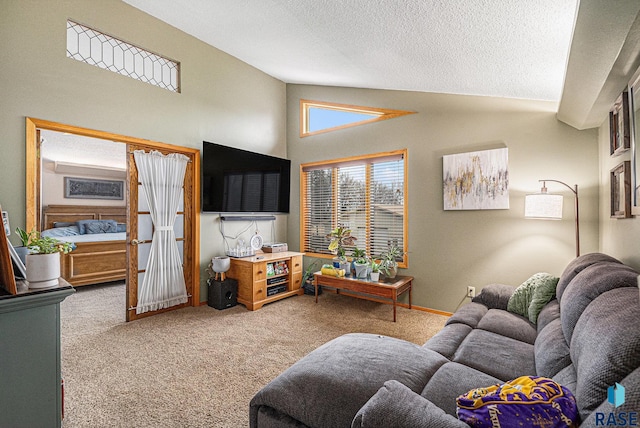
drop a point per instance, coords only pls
(389, 288)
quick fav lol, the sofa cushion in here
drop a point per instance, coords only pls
(450, 381)
(606, 345)
(577, 265)
(568, 378)
(551, 350)
(447, 340)
(395, 405)
(590, 283)
(550, 312)
(328, 386)
(495, 296)
(469, 314)
(509, 325)
(271, 418)
(499, 356)
(631, 383)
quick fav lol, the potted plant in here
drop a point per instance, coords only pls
(388, 263)
(25, 239)
(360, 263)
(375, 271)
(340, 237)
(43, 260)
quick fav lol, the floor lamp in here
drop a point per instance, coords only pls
(547, 206)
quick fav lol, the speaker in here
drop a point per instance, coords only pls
(222, 294)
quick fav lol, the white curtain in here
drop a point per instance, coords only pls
(162, 179)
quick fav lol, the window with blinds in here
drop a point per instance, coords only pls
(366, 194)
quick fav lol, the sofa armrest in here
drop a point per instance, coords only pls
(495, 296)
(395, 405)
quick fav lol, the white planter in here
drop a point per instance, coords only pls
(375, 276)
(362, 271)
(43, 270)
(220, 265)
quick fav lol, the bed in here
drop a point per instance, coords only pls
(98, 257)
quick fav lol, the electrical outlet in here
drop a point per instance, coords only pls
(471, 291)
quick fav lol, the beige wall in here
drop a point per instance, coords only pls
(53, 190)
(449, 250)
(223, 100)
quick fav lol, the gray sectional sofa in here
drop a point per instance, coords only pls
(587, 339)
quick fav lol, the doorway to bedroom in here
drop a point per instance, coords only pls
(83, 186)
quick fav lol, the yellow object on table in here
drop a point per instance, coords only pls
(332, 271)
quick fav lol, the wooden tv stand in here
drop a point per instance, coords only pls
(263, 279)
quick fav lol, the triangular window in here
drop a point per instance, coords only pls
(318, 117)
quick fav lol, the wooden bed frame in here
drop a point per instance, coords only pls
(90, 262)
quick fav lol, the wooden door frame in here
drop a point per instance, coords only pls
(33, 198)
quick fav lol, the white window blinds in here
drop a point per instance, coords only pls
(364, 194)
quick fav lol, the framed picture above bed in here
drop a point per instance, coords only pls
(89, 188)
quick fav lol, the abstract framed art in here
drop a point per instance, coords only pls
(476, 180)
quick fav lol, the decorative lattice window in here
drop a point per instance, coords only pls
(93, 47)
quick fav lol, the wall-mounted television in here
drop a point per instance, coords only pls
(241, 181)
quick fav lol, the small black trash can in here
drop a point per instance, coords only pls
(222, 294)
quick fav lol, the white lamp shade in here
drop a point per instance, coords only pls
(543, 206)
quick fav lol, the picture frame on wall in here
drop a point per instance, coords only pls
(621, 190)
(619, 126)
(476, 180)
(89, 188)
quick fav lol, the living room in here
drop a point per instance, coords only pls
(227, 101)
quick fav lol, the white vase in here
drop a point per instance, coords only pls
(43, 270)
(375, 276)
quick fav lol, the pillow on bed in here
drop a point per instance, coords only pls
(121, 227)
(87, 227)
(59, 232)
(63, 223)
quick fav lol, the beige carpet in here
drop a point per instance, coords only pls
(200, 367)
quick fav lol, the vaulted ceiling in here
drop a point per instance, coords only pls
(533, 49)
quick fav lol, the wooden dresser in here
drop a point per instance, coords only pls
(267, 277)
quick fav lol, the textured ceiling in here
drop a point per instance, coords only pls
(504, 48)
(77, 149)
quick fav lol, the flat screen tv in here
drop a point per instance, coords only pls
(240, 181)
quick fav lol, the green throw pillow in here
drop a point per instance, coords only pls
(544, 292)
(521, 299)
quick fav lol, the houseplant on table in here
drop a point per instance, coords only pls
(361, 263)
(43, 260)
(340, 237)
(388, 262)
(375, 271)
